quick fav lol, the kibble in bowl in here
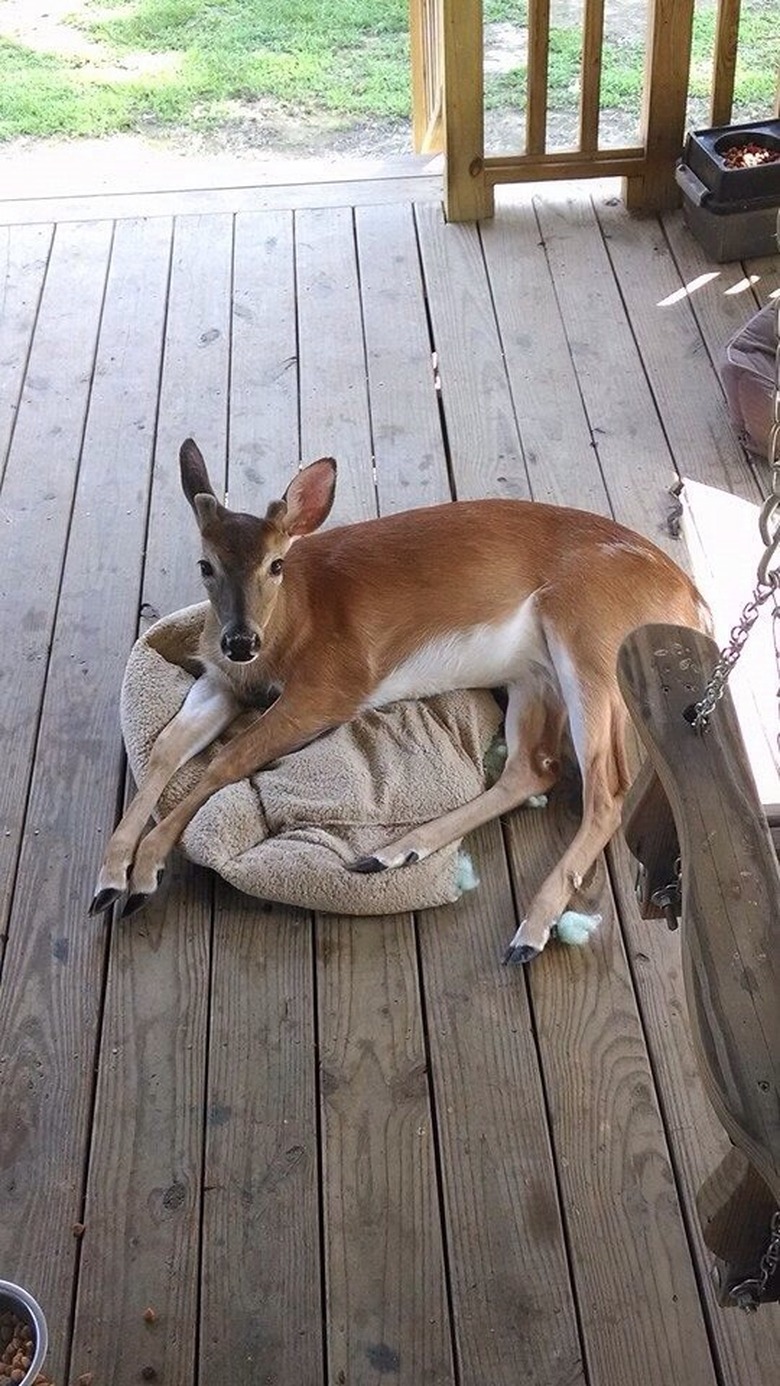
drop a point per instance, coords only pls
(23, 1337)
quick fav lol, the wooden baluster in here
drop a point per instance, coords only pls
(592, 52)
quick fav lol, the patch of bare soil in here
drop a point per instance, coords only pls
(42, 26)
(247, 149)
(268, 128)
(253, 134)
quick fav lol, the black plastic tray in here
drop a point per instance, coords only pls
(704, 151)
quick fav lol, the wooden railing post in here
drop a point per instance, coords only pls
(426, 59)
(467, 194)
(670, 27)
(417, 57)
(724, 66)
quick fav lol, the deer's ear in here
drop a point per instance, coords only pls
(206, 507)
(309, 497)
(194, 476)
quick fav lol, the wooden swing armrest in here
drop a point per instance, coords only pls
(730, 925)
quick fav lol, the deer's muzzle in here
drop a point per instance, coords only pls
(239, 645)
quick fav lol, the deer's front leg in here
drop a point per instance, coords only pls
(210, 707)
(278, 732)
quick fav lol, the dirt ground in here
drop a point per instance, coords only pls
(137, 163)
(254, 135)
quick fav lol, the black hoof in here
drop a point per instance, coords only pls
(133, 905)
(520, 953)
(104, 900)
(366, 865)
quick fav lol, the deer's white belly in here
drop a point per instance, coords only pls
(485, 656)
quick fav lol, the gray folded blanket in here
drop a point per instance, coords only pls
(288, 832)
(748, 374)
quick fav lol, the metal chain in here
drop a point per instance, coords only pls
(768, 577)
(749, 1293)
(776, 637)
(716, 686)
(769, 523)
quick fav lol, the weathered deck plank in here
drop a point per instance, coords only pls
(55, 959)
(636, 1286)
(24, 255)
(368, 1157)
(608, 1209)
(156, 1031)
(486, 458)
(386, 1296)
(142, 1206)
(211, 201)
(723, 300)
(513, 1304)
(261, 1255)
(263, 421)
(557, 443)
(36, 499)
(743, 1344)
(633, 452)
(409, 454)
(685, 387)
(334, 411)
(384, 1270)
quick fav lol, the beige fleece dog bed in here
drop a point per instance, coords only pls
(289, 832)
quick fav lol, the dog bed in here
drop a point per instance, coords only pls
(289, 832)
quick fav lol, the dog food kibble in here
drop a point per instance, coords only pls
(749, 155)
(17, 1347)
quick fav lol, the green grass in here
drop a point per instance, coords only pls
(621, 80)
(758, 58)
(189, 62)
(344, 56)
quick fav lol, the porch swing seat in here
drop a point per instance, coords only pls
(703, 820)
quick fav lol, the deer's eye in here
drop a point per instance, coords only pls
(206, 569)
(276, 566)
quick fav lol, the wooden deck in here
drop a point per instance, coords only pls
(336, 1150)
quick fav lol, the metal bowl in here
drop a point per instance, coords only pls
(21, 1303)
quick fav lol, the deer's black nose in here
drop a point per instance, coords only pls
(240, 645)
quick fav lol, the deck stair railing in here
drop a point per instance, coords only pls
(449, 101)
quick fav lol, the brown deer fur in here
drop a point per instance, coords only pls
(476, 593)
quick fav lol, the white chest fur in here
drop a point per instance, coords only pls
(486, 656)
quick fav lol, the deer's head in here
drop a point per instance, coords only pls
(242, 563)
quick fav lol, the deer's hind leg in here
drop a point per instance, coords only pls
(210, 707)
(534, 724)
(597, 720)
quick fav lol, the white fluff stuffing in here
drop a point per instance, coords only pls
(575, 929)
(466, 877)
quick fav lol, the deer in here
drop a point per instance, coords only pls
(307, 627)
